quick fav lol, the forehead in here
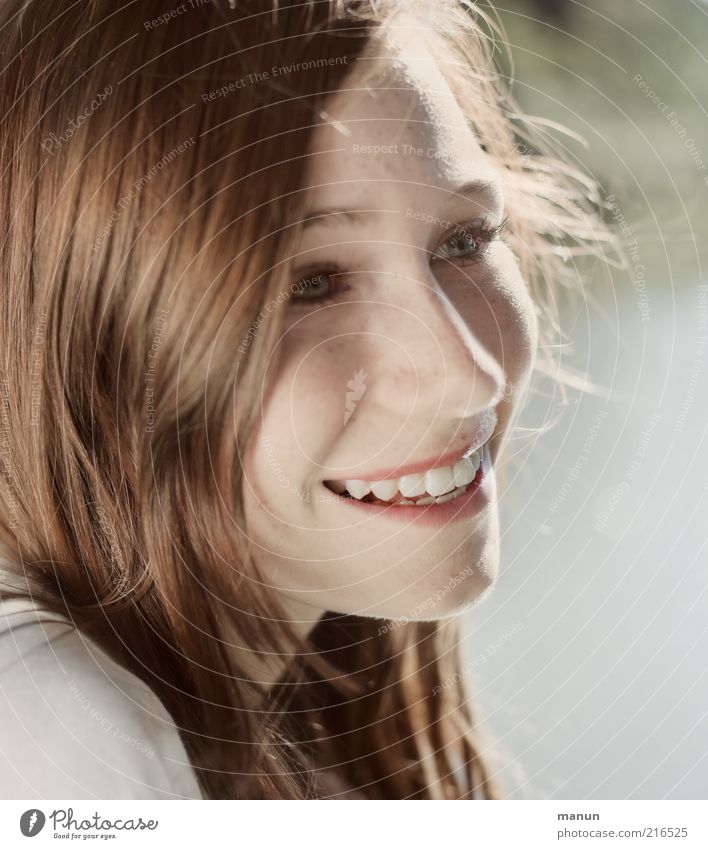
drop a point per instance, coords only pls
(395, 120)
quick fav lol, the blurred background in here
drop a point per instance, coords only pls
(588, 661)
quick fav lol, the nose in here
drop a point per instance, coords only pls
(429, 359)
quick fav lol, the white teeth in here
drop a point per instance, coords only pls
(466, 469)
(439, 481)
(477, 457)
(411, 485)
(451, 496)
(436, 485)
(445, 498)
(384, 490)
(358, 489)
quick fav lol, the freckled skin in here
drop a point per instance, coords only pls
(438, 342)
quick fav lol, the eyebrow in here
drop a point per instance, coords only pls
(472, 190)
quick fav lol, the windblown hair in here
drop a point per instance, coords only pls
(150, 192)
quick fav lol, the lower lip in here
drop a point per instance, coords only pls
(471, 502)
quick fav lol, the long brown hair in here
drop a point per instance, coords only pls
(150, 176)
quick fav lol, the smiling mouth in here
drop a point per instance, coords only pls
(437, 485)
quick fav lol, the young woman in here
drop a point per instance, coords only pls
(273, 284)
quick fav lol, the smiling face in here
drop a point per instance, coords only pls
(408, 341)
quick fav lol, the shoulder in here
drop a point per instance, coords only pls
(74, 724)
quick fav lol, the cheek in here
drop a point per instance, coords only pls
(515, 331)
(303, 408)
(502, 315)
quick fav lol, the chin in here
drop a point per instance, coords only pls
(463, 590)
(452, 588)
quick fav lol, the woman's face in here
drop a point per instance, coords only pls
(407, 345)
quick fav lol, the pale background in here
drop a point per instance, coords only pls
(588, 661)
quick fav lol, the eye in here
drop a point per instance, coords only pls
(320, 286)
(467, 241)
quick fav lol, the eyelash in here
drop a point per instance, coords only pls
(480, 231)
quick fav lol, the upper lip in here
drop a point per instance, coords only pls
(482, 434)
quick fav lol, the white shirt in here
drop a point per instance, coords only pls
(74, 724)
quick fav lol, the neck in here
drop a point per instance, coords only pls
(266, 668)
